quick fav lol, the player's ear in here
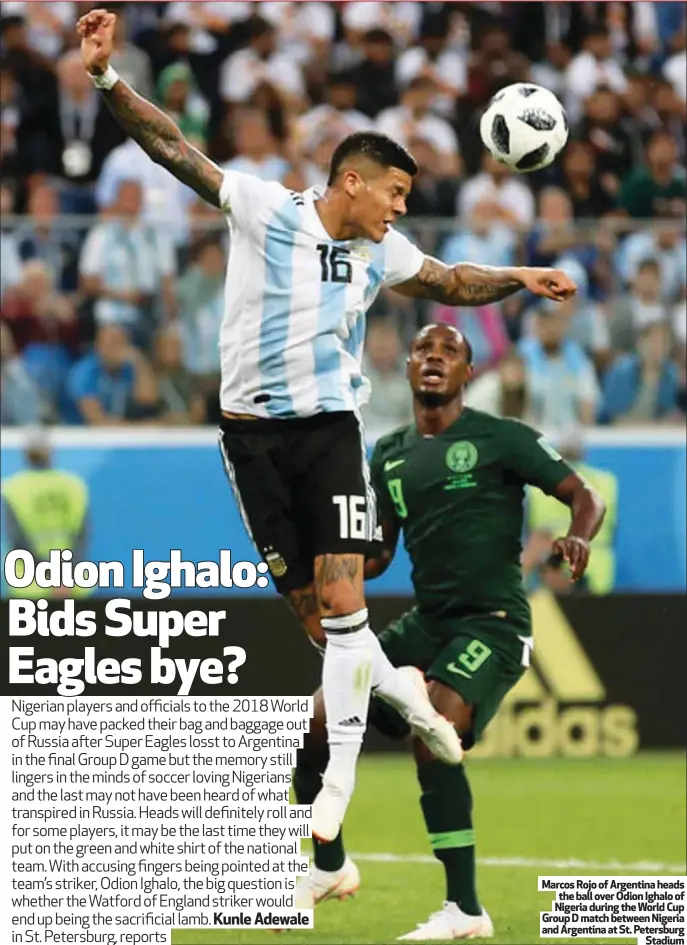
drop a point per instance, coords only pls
(352, 182)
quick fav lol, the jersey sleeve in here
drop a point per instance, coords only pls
(402, 260)
(533, 458)
(247, 199)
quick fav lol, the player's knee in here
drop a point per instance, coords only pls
(451, 705)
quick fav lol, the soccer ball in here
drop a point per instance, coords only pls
(525, 127)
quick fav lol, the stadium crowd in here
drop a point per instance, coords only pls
(112, 272)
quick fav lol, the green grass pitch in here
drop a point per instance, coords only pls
(531, 818)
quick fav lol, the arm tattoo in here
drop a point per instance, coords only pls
(163, 141)
(332, 568)
(462, 284)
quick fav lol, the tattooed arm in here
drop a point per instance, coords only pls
(154, 131)
(466, 284)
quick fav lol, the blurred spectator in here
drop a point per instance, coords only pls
(611, 142)
(675, 69)
(502, 390)
(665, 244)
(167, 201)
(20, 400)
(305, 32)
(200, 299)
(579, 179)
(206, 21)
(256, 147)
(511, 199)
(400, 19)
(434, 59)
(633, 31)
(433, 194)
(547, 519)
(554, 236)
(49, 25)
(494, 64)
(643, 387)
(594, 66)
(178, 403)
(44, 236)
(374, 76)
(551, 72)
(261, 67)
(587, 319)
(314, 167)
(11, 109)
(10, 260)
(127, 267)
(83, 133)
(639, 308)
(179, 96)
(337, 117)
(37, 313)
(482, 237)
(131, 62)
(112, 386)
(671, 114)
(414, 119)
(390, 405)
(658, 189)
(564, 392)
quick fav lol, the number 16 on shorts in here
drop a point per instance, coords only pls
(352, 516)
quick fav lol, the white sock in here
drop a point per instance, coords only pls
(399, 690)
(346, 680)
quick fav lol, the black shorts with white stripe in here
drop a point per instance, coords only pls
(303, 489)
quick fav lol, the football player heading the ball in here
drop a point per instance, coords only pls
(525, 127)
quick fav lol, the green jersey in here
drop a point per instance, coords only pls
(458, 498)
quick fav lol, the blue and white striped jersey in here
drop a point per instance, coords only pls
(294, 325)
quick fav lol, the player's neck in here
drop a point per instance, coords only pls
(331, 213)
(432, 420)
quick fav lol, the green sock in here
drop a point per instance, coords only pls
(307, 781)
(447, 807)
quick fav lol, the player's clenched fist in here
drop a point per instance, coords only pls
(96, 30)
(575, 553)
(549, 283)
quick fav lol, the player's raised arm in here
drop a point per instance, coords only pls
(154, 131)
(467, 284)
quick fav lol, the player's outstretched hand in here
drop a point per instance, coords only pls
(549, 283)
(575, 553)
(96, 30)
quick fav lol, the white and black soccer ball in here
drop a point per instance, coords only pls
(525, 127)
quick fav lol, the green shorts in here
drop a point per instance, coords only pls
(471, 655)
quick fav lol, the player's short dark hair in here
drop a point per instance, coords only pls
(466, 341)
(379, 148)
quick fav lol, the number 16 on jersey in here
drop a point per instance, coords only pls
(352, 516)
